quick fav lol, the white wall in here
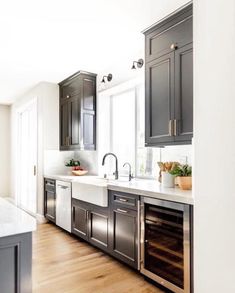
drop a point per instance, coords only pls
(5, 150)
(214, 151)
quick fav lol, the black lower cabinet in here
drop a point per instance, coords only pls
(80, 219)
(124, 228)
(98, 228)
(16, 263)
(90, 222)
(50, 199)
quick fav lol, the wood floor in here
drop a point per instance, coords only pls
(64, 264)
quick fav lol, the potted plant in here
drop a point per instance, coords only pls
(165, 176)
(75, 164)
(184, 176)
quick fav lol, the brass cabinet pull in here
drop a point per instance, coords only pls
(122, 199)
(68, 96)
(68, 141)
(170, 128)
(175, 127)
(122, 211)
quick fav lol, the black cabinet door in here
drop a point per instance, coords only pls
(74, 110)
(50, 213)
(50, 200)
(88, 123)
(80, 214)
(159, 100)
(124, 235)
(98, 226)
(64, 125)
(184, 93)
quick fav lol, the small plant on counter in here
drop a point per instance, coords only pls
(75, 164)
(165, 176)
(184, 176)
(181, 171)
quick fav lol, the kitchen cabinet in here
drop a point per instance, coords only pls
(169, 80)
(90, 222)
(16, 263)
(50, 199)
(124, 227)
(80, 220)
(78, 112)
(98, 228)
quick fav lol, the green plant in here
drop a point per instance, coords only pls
(72, 163)
(182, 171)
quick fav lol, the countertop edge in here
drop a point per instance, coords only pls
(153, 194)
(164, 195)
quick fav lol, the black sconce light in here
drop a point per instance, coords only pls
(139, 64)
(109, 77)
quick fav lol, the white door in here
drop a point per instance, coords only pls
(27, 158)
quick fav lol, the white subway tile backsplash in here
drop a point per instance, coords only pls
(180, 153)
(54, 162)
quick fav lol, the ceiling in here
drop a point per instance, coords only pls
(48, 40)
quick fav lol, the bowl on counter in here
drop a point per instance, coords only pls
(79, 172)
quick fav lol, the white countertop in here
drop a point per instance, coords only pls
(144, 187)
(13, 220)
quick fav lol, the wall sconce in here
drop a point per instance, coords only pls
(139, 64)
(109, 77)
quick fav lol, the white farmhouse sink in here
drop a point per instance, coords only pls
(91, 189)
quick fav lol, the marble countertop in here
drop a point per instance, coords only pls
(144, 187)
(13, 220)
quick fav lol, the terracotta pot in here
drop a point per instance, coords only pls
(185, 183)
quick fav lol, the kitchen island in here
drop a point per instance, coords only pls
(16, 228)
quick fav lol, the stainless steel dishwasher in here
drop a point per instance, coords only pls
(63, 205)
(165, 243)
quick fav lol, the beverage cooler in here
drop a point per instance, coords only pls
(165, 243)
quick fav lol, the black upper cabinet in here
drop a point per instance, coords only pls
(184, 93)
(78, 112)
(169, 80)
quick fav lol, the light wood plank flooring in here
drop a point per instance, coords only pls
(64, 264)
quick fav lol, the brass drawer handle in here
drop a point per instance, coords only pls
(122, 211)
(122, 199)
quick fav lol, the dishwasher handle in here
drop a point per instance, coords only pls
(62, 186)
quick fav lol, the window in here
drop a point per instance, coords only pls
(123, 124)
(146, 158)
(127, 136)
(122, 131)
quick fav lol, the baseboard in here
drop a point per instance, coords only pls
(41, 219)
(10, 199)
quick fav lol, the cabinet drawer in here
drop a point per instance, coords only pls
(164, 39)
(50, 185)
(69, 90)
(125, 200)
